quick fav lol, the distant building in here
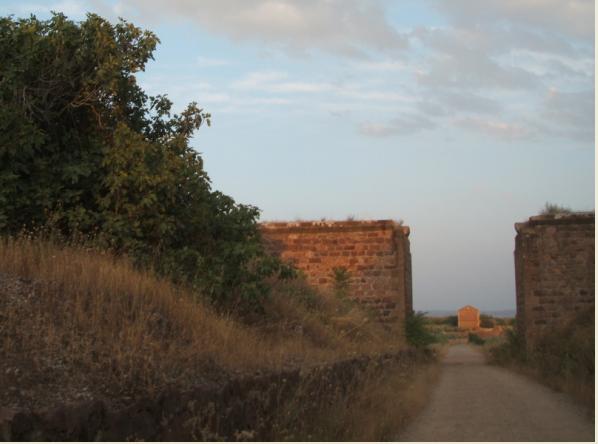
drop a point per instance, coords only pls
(468, 318)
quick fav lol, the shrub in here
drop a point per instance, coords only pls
(417, 332)
(341, 281)
(452, 320)
(475, 339)
(500, 321)
(486, 321)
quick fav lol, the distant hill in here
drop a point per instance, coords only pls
(510, 313)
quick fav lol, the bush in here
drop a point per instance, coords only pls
(486, 321)
(475, 339)
(452, 321)
(416, 331)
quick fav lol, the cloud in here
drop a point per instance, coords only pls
(275, 82)
(474, 70)
(402, 125)
(574, 18)
(466, 102)
(344, 27)
(506, 44)
(495, 128)
(569, 114)
(374, 95)
(485, 69)
(385, 65)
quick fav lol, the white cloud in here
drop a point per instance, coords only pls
(402, 125)
(275, 82)
(466, 102)
(345, 27)
(375, 95)
(485, 70)
(474, 70)
(569, 114)
(386, 65)
(570, 17)
(495, 128)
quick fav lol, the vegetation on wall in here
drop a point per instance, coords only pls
(85, 151)
(551, 209)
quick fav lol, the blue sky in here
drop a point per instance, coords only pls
(458, 117)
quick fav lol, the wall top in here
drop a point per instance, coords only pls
(557, 219)
(336, 225)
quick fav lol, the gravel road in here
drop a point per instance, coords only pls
(474, 401)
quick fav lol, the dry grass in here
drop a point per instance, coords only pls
(562, 358)
(378, 409)
(89, 322)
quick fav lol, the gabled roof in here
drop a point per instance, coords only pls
(468, 307)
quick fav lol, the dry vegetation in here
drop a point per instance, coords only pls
(78, 324)
(563, 358)
(377, 410)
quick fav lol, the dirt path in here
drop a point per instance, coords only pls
(474, 401)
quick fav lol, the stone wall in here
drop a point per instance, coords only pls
(375, 254)
(554, 271)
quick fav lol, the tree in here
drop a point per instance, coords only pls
(82, 145)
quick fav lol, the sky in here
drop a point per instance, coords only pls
(457, 117)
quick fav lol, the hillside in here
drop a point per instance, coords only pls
(78, 324)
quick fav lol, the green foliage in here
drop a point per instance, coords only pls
(452, 320)
(306, 295)
(444, 320)
(417, 332)
(500, 321)
(475, 339)
(341, 281)
(551, 209)
(84, 147)
(486, 321)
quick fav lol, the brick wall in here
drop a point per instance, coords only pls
(376, 255)
(554, 271)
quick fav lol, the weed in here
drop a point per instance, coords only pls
(417, 332)
(341, 278)
(551, 209)
(475, 339)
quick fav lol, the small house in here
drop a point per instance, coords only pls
(468, 318)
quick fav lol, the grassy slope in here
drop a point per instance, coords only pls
(563, 358)
(79, 324)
